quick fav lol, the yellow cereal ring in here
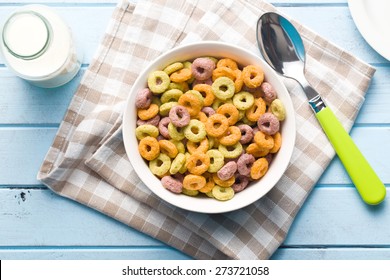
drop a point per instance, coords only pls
(173, 67)
(166, 107)
(158, 82)
(227, 62)
(202, 117)
(209, 183)
(201, 146)
(256, 110)
(217, 125)
(217, 160)
(195, 131)
(259, 168)
(147, 114)
(198, 163)
(146, 130)
(181, 75)
(179, 145)
(177, 163)
(233, 151)
(223, 183)
(171, 95)
(218, 103)
(206, 92)
(256, 151)
(190, 192)
(183, 169)
(176, 133)
(194, 182)
(168, 148)
(192, 103)
(160, 165)
(238, 80)
(197, 94)
(223, 88)
(253, 76)
(277, 108)
(149, 148)
(264, 141)
(183, 86)
(277, 143)
(223, 72)
(230, 112)
(243, 100)
(222, 194)
(232, 137)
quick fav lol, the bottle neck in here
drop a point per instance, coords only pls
(27, 35)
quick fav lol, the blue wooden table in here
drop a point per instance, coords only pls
(35, 223)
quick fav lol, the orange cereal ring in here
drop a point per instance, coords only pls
(194, 147)
(149, 148)
(192, 103)
(168, 148)
(256, 151)
(259, 168)
(223, 72)
(202, 117)
(216, 125)
(277, 143)
(232, 137)
(253, 76)
(227, 62)
(198, 163)
(256, 110)
(206, 92)
(194, 182)
(223, 183)
(181, 75)
(238, 81)
(147, 114)
(209, 183)
(230, 112)
(264, 141)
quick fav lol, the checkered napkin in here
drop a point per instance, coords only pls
(87, 160)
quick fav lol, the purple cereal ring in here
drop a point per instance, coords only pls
(202, 68)
(208, 81)
(171, 184)
(244, 164)
(208, 111)
(227, 171)
(269, 158)
(153, 121)
(179, 116)
(163, 127)
(143, 98)
(240, 183)
(246, 133)
(269, 92)
(268, 123)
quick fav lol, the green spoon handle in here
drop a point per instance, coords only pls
(368, 184)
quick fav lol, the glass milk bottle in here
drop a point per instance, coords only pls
(38, 46)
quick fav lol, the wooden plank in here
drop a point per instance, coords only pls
(330, 217)
(22, 150)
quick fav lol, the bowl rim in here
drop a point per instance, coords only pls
(195, 204)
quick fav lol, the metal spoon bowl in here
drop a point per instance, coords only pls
(283, 49)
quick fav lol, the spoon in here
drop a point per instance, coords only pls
(282, 48)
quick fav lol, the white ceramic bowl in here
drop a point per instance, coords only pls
(255, 190)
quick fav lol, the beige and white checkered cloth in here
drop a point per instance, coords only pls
(87, 160)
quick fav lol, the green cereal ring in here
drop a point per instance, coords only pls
(173, 67)
(190, 192)
(232, 151)
(183, 86)
(177, 163)
(221, 193)
(160, 165)
(210, 194)
(197, 94)
(146, 130)
(175, 133)
(183, 169)
(248, 122)
(156, 100)
(179, 145)
(243, 100)
(277, 108)
(188, 65)
(213, 59)
(166, 107)
(217, 160)
(171, 95)
(158, 82)
(241, 114)
(223, 88)
(195, 131)
(218, 103)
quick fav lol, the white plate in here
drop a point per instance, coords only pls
(372, 18)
